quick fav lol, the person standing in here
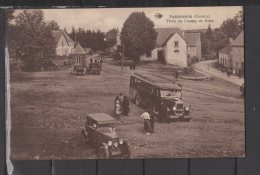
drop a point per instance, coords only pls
(118, 110)
(163, 113)
(147, 125)
(125, 106)
(152, 120)
(176, 74)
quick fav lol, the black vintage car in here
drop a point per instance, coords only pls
(77, 69)
(94, 69)
(161, 96)
(99, 132)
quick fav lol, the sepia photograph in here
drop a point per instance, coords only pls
(125, 83)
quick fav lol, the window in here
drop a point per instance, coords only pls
(61, 43)
(176, 51)
(176, 44)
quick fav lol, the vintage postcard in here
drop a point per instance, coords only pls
(112, 83)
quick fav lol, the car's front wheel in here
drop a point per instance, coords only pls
(103, 153)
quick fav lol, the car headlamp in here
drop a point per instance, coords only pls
(178, 94)
(121, 141)
(109, 143)
(187, 108)
(174, 108)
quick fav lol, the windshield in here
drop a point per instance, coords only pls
(107, 129)
(170, 93)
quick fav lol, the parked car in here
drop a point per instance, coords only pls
(151, 92)
(77, 69)
(99, 132)
(94, 69)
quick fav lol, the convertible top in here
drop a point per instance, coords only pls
(156, 80)
(101, 118)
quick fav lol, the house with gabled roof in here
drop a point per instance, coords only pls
(232, 56)
(237, 54)
(64, 44)
(175, 46)
(225, 56)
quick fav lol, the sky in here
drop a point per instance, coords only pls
(105, 19)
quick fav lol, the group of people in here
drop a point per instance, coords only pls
(121, 105)
(97, 60)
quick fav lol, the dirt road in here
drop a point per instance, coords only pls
(48, 111)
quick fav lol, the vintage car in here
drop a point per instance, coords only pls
(99, 132)
(77, 69)
(94, 69)
(157, 95)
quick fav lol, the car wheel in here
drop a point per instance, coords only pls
(103, 153)
(127, 153)
(83, 137)
(138, 99)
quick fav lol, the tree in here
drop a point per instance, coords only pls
(231, 28)
(207, 41)
(35, 43)
(111, 37)
(221, 40)
(239, 17)
(209, 34)
(138, 35)
(53, 25)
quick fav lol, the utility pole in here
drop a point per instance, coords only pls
(123, 57)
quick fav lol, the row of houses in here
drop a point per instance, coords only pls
(173, 46)
(232, 56)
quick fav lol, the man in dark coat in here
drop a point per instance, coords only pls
(152, 120)
(163, 115)
(125, 106)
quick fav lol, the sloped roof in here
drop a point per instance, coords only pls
(239, 41)
(78, 50)
(169, 37)
(164, 34)
(57, 34)
(226, 49)
(191, 38)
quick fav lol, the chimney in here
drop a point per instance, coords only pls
(230, 40)
(183, 33)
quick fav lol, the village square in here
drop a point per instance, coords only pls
(58, 76)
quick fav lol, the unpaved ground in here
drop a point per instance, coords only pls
(48, 111)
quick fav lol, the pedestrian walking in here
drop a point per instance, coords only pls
(163, 114)
(147, 125)
(125, 106)
(121, 97)
(176, 74)
(118, 109)
(133, 66)
(101, 60)
(152, 120)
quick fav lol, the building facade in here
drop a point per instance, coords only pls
(225, 56)
(174, 46)
(237, 54)
(64, 44)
